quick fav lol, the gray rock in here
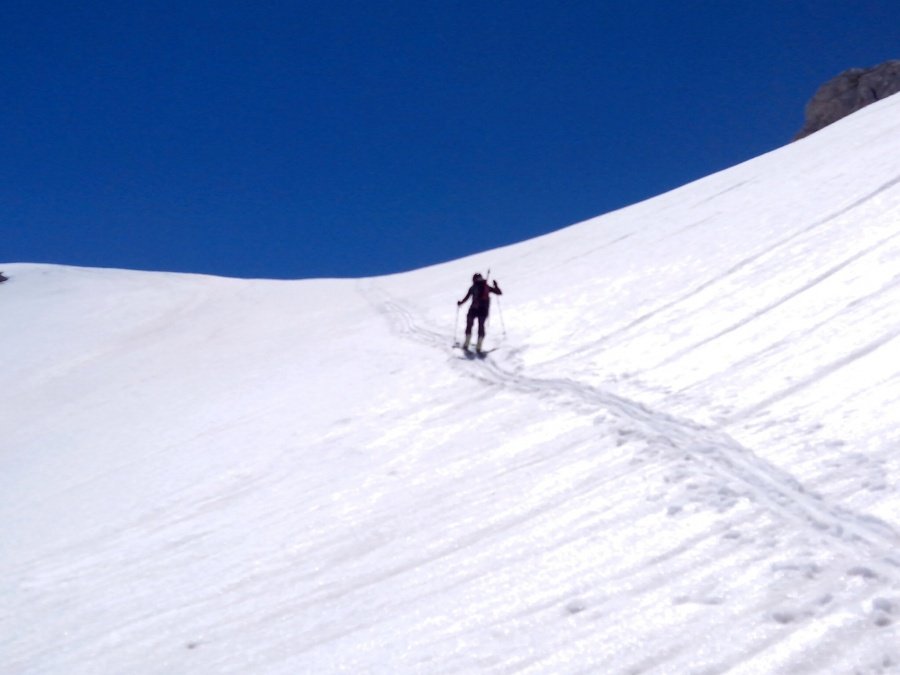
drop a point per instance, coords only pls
(848, 92)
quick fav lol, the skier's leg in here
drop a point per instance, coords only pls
(470, 319)
(481, 318)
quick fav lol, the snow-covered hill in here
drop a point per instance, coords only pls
(682, 457)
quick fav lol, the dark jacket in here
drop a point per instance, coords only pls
(480, 293)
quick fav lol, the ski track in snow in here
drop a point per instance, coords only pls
(743, 264)
(871, 542)
(778, 302)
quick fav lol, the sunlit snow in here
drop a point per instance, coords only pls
(682, 457)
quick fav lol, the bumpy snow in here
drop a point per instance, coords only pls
(684, 455)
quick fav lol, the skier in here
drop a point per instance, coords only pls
(480, 293)
(3, 278)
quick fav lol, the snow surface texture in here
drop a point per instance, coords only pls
(683, 457)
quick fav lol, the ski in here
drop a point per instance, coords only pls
(473, 353)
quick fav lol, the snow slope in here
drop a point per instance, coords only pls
(682, 457)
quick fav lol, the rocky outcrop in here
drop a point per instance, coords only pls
(848, 92)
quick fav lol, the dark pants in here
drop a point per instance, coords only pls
(479, 313)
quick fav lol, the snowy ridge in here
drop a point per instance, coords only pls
(681, 457)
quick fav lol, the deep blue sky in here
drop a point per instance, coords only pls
(333, 138)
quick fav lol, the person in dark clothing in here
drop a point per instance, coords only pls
(2, 278)
(480, 293)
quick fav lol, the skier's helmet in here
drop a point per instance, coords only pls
(477, 277)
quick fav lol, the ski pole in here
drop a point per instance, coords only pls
(456, 325)
(487, 321)
(499, 308)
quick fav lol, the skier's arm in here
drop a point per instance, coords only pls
(471, 288)
(496, 288)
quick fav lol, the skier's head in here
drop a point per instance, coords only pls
(477, 277)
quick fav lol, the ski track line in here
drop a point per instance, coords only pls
(738, 266)
(857, 535)
(828, 369)
(773, 487)
(812, 283)
(723, 191)
(791, 338)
